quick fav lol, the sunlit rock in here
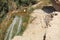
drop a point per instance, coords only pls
(53, 32)
(36, 28)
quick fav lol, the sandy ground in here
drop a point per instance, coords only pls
(38, 30)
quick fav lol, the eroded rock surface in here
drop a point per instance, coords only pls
(37, 28)
(53, 32)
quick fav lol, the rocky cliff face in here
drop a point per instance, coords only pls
(39, 27)
(53, 32)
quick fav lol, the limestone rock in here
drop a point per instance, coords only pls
(53, 32)
(56, 4)
(36, 28)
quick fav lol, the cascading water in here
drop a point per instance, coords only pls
(14, 28)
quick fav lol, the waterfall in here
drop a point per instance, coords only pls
(17, 21)
(19, 26)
